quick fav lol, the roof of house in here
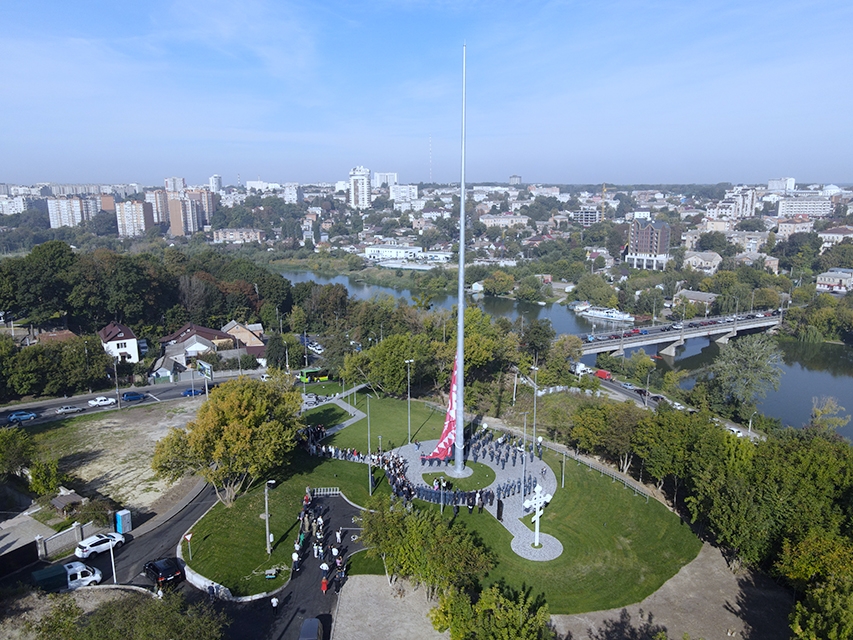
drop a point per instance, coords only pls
(56, 336)
(190, 329)
(115, 331)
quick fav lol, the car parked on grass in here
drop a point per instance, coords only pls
(132, 396)
(98, 543)
(165, 571)
(68, 408)
(20, 416)
(188, 393)
(102, 401)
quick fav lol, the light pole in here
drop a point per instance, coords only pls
(369, 464)
(523, 462)
(267, 513)
(752, 304)
(535, 394)
(750, 422)
(115, 371)
(409, 395)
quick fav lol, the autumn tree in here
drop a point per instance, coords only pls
(244, 431)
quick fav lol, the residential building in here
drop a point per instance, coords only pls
(120, 342)
(219, 339)
(403, 192)
(504, 220)
(739, 202)
(379, 178)
(175, 184)
(159, 205)
(812, 207)
(514, 180)
(292, 193)
(185, 216)
(705, 261)
(10, 205)
(249, 336)
(836, 280)
(783, 185)
(787, 228)
(238, 236)
(134, 218)
(108, 203)
(215, 183)
(205, 201)
(834, 236)
(359, 188)
(70, 211)
(701, 300)
(753, 258)
(648, 245)
(587, 216)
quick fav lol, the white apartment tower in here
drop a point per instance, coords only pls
(175, 184)
(215, 183)
(159, 204)
(379, 178)
(781, 184)
(359, 188)
(134, 218)
(71, 211)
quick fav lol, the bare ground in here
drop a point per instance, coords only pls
(112, 453)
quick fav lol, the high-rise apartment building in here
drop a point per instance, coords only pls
(10, 205)
(134, 218)
(205, 201)
(514, 180)
(648, 245)
(359, 188)
(292, 193)
(184, 216)
(781, 184)
(159, 205)
(813, 207)
(175, 184)
(379, 178)
(215, 183)
(72, 210)
(403, 192)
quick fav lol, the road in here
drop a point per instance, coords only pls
(45, 410)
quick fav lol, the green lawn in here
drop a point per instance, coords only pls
(483, 476)
(617, 548)
(388, 419)
(328, 414)
(228, 544)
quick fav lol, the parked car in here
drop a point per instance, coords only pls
(68, 576)
(20, 416)
(165, 571)
(102, 401)
(192, 392)
(132, 396)
(98, 543)
(69, 408)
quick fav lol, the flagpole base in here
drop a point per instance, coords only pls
(453, 472)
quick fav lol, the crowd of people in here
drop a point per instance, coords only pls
(314, 538)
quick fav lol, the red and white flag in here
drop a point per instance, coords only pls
(444, 448)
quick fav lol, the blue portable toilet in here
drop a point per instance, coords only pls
(123, 522)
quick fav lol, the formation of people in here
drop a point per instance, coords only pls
(315, 539)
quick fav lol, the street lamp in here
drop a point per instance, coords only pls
(369, 464)
(750, 422)
(523, 461)
(267, 513)
(409, 395)
(115, 371)
(535, 394)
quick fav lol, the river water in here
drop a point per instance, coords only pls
(809, 371)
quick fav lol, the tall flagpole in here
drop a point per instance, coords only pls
(459, 458)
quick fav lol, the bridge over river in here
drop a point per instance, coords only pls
(719, 329)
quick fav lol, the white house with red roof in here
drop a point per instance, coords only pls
(120, 342)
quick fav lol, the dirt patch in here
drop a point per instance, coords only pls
(32, 607)
(112, 453)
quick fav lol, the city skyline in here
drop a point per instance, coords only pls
(558, 92)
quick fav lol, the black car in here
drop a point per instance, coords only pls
(165, 571)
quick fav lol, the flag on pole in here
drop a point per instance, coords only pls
(444, 448)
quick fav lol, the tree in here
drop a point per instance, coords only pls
(500, 613)
(16, 450)
(747, 369)
(60, 623)
(826, 613)
(45, 477)
(244, 431)
(498, 284)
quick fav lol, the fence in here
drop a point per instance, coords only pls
(67, 539)
(324, 492)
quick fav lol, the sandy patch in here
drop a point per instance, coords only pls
(112, 454)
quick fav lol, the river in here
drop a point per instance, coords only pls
(809, 370)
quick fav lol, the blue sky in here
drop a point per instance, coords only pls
(561, 91)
